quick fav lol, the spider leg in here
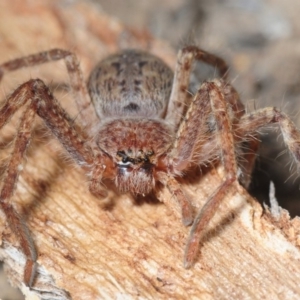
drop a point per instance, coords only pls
(251, 122)
(245, 149)
(78, 86)
(192, 132)
(15, 221)
(39, 100)
(210, 98)
(247, 158)
(183, 69)
(177, 192)
(95, 186)
(226, 143)
(47, 107)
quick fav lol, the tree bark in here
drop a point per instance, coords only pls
(122, 248)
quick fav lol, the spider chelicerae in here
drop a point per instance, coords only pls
(143, 128)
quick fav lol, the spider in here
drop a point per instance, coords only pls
(143, 129)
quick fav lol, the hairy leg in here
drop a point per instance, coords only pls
(75, 74)
(250, 123)
(37, 98)
(246, 128)
(183, 69)
(10, 179)
(190, 137)
(177, 192)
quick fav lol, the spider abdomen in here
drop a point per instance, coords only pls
(131, 83)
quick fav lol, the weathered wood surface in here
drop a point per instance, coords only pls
(92, 249)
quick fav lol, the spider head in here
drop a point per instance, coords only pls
(134, 147)
(135, 171)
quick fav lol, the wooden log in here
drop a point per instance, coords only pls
(90, 248)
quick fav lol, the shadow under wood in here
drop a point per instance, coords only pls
(275, 164)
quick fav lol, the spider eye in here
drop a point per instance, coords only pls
(141, 157)
(123, 155)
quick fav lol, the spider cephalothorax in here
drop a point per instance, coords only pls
(135, 147)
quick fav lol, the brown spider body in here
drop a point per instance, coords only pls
(136, 148)
(144, 129)
(130, 92)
